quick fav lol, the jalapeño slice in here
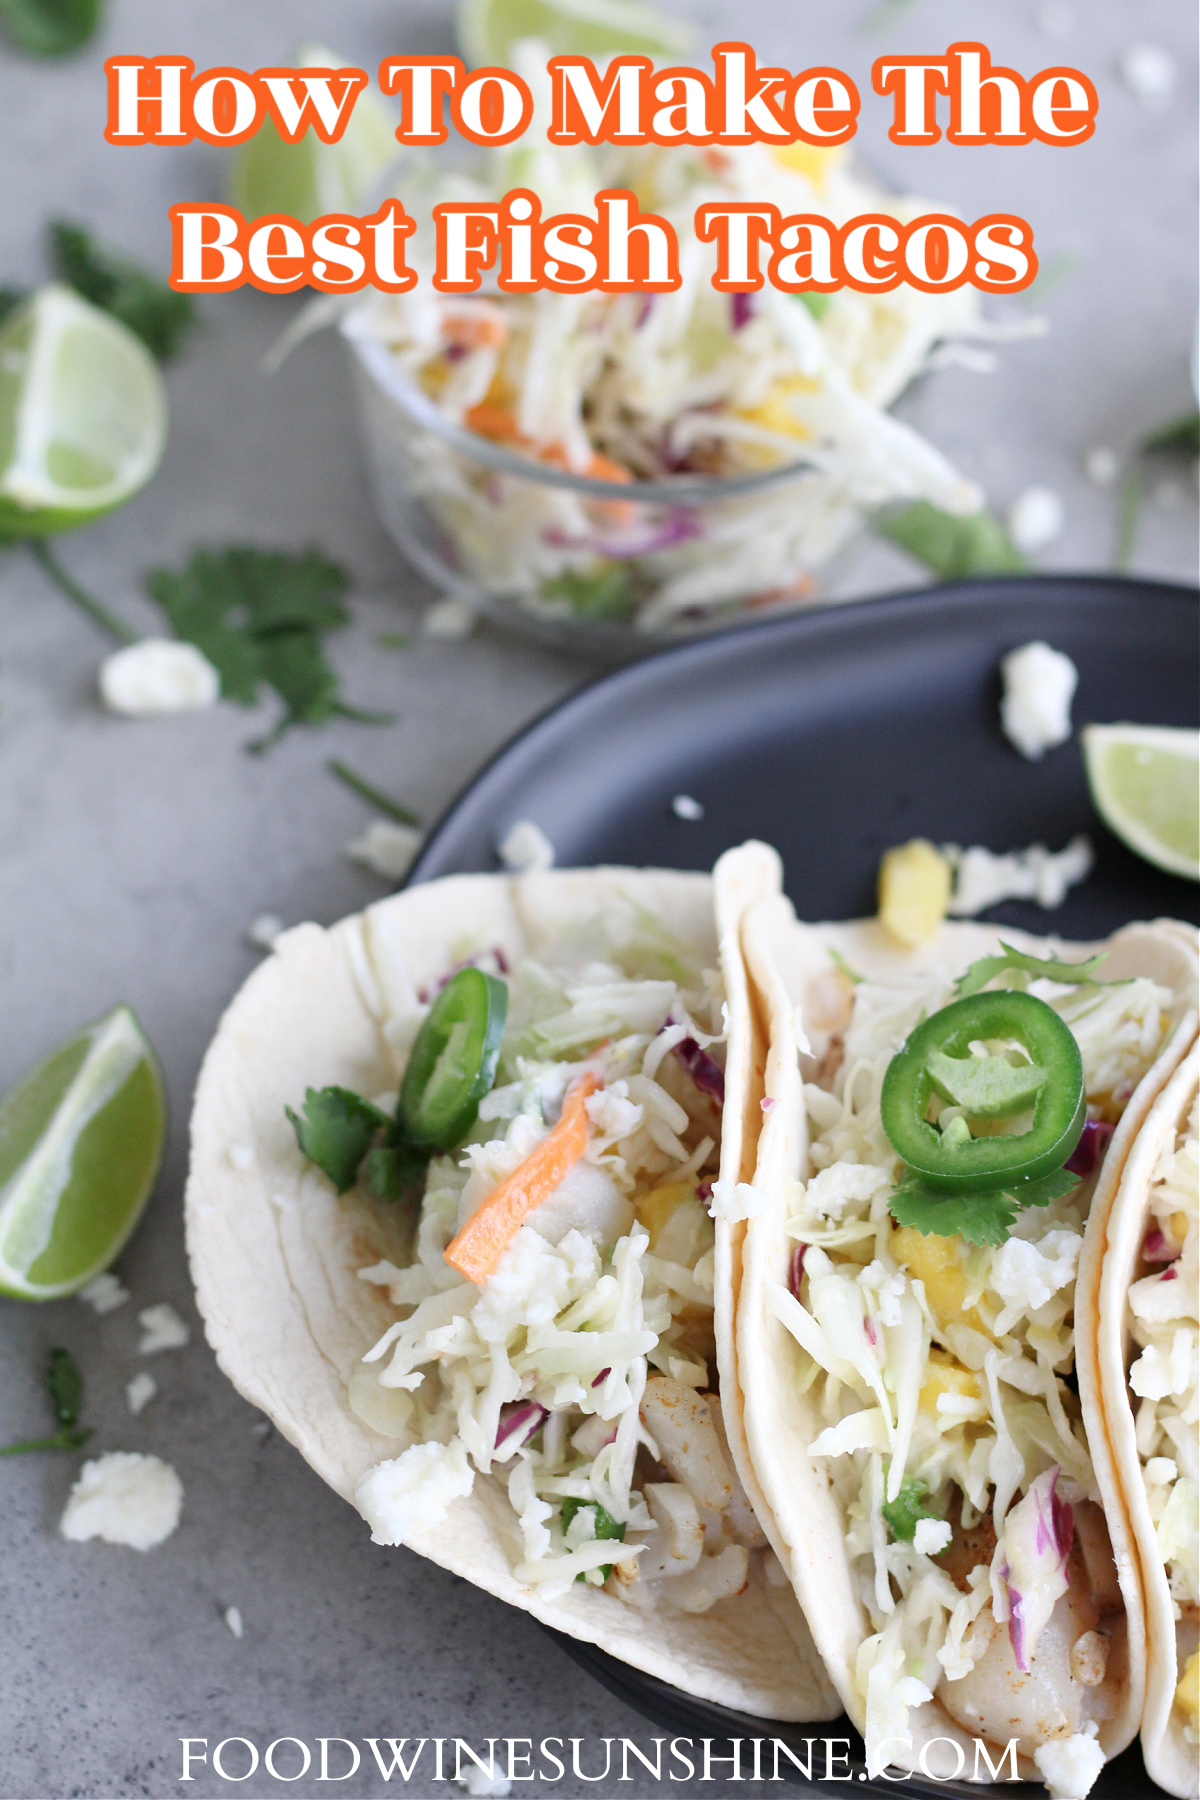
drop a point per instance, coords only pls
(453, 1061)
(936, 1059)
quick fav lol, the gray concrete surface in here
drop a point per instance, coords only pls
(133, 856)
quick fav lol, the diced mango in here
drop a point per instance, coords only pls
(914, 891)
(936, 1261)
(1187, 1694)
(945, 1376)
(655, 1208)
(812, 160)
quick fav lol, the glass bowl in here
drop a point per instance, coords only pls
(603, 568)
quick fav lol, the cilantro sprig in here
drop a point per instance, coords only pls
(984, 1218)
(64, 1384)
(49, 27)
(139, 299)
(1052, 968)
(343, 1133)
(259, 616)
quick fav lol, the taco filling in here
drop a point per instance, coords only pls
(555, 1138)
(1163, 1318)
(957, 1130)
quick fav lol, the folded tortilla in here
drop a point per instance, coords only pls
(274, 1255)
(797, 1503)
(1119, 1264)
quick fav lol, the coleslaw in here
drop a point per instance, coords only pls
(647, 458)
(580, 1376)
(952, 1434)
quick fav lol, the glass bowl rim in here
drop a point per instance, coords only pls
(376, 361)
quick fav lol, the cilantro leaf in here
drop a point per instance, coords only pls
(10, 299)
(817, 304)
(49, 27)
(66, 1386)
(336, 1132)
(606, 594)
(606, 1527)
(1182, 434)
(390, 1168)
(988, 967)
(976, 1218)
(1045, 1188)
(258, 616)
(152, 310)
(903, 1513)
(982, 1218)
(952, 547)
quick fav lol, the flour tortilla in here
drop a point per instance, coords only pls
(1170, 1760)
(806, 1524)
(274, 1254)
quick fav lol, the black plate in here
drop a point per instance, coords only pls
(833, 734)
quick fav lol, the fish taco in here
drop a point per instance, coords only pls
(1142, 1270)
(941, 1123)
(449, 1221)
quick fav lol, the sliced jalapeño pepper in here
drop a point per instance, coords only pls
(453, 1061)
(936, 1059)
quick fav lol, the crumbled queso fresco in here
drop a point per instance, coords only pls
(159, 675)
(124, 1499)
(1039, 686)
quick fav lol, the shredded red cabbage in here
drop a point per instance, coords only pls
(602, 1376)
(1155, 1247)
(675, 527)
(796, 1270)
(520, 1416)
(708, 1075)
(1053, 1531)
(1089, 1152)
(741, 309)
(425, 994)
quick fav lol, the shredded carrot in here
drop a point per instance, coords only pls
(471, 326)
(498, 422)
(603, 468)
(476, 1251)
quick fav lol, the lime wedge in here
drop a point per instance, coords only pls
(83, 414)
(308, 179)
(1145, 781)
(81, 1139)
(488, 29)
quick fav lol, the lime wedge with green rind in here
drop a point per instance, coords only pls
(488, 29)
(308, 179)
(83, 414)
(81, 1141)
(1145, 781)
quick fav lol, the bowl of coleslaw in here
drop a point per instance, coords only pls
(612, 470)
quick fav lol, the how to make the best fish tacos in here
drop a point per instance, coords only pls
(938, 1126)
(512, 1368)
(1142, 1269)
